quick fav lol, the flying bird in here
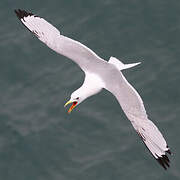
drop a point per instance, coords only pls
(101, 74)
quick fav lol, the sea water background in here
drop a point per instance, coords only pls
(39, 140)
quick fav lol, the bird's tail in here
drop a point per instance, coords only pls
(121, 65)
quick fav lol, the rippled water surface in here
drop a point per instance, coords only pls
(39, 140)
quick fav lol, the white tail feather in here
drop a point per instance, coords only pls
(120, 65)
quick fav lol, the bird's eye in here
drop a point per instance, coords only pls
(77, 98)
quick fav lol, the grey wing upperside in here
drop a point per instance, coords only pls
(51, 36)
(133, 107)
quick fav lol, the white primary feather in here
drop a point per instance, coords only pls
(101, 74)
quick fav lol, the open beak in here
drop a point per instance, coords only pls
(74, 103)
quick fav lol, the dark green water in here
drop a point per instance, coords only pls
(39, 140)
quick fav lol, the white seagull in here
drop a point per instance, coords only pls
(101, 74)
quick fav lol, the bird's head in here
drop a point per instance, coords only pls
(76, 98)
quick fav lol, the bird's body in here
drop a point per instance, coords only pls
(101, 74)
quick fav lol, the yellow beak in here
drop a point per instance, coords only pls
(69, 102)
(74, 103)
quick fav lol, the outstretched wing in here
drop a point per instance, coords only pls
(49, 35)
(133, 107)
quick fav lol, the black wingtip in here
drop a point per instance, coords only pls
(164, 161)
(22, 13)
(168, 151)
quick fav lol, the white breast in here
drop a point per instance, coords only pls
(93, 83)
